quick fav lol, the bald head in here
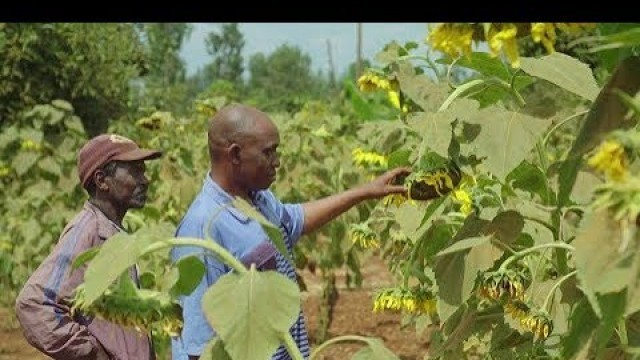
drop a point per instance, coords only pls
(234, 124)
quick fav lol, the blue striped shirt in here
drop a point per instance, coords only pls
(245, 239)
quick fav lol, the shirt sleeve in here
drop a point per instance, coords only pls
(42, 307)
(196, 331)
(291, 216)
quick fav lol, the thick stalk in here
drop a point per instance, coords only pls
(346, 338)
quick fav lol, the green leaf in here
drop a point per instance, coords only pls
(565, 71)
(483, 63)
(465, 244)
(506, 226)
(399, 158)
(147, 280)
(375, 350)
(272, 231)
(24, 161)
(612, 306)
(214, 350)
(191, 271)
(434, 129)
(506, 138)
(582, 323)
(602, 267)
(255, 308)
(85, 257)
(421, 89)
(119, 253)
(531, 178)
(49, 165)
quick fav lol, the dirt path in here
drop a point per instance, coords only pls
(352, 316)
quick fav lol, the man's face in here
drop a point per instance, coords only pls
(259, 157)
(128, 185)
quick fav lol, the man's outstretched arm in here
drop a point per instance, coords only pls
(321, 211)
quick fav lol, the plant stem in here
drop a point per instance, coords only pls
(524, 252)
(291, 346)
(622, 332)
(335, 340)
(458, 91)
(212, 246)
(547, 300)
(558, 125)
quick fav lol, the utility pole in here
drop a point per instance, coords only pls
(332, 70)
(358, 50)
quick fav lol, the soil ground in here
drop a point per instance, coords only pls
(352, 316)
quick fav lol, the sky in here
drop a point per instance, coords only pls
(311, 38)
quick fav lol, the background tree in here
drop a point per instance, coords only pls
(88, 65)
(226, 48)
(164, 85)
(284, 80)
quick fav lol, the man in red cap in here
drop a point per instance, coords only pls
(111, 168)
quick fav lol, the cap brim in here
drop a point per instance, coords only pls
(138, 154)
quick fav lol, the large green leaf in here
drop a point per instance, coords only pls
(602, 267)
(612, 306)
(565, 71)
(465, 244)
(434, 129)
(454, 273)
(582, 323)
(421, 89)
(255, 308)
(375, 350)
(117, 254)
(506, 138)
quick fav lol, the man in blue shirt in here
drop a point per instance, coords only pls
(243, 144)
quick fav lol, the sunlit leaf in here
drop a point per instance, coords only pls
(236, 307)
(506, 138)
(117, 254)
(565, 71)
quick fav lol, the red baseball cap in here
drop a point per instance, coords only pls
(98, 151)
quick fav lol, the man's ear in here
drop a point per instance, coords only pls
(234, 153)
(99, 178)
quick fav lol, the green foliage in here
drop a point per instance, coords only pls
(283, 80)
(39, 186)
(226, 48)
(87, 65)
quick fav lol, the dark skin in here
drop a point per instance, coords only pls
(125, 189)
(243, 144)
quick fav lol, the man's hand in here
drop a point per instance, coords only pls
(383, 184)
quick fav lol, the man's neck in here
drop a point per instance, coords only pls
(228, 185)
(108, 210)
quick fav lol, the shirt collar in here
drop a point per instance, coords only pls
(211, 188)
(106, 227)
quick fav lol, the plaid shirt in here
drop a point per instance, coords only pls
(247, 241)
